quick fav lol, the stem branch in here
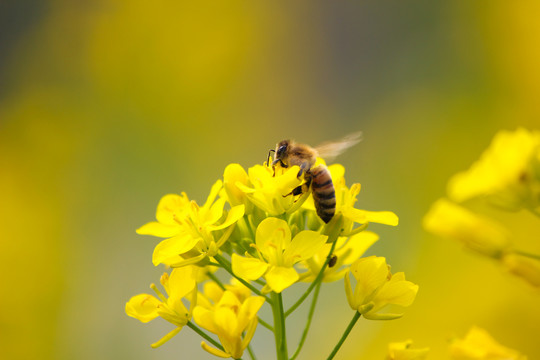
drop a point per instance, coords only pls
(344, 336)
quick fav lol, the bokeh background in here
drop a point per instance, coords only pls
(105, 106)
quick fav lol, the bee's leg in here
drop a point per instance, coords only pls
(268, 158)
(300, 189)
(304, 167)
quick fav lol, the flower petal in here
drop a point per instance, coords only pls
(213, 193)
(171, 205)
(304, 245)
(248, 268)
(279, 278)
(172, 247)
(233, 216)
(275, 231)
(233, 174)
(363, 216)
(155, 228)
(205, 319)
(143, 307)
(182, 281)
(370, 273)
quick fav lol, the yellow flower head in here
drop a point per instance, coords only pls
(277, 254)
(190, 228)
(346, 251)
(268, 188)
(181, 283)
(479, 345)
(377, 287)
(228, 314)
(402, 351)
(474, 231)
(507, 173)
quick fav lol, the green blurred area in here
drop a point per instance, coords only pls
(107, 106)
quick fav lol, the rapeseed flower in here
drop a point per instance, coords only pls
(181, 283)
(479, 345)
(276, 254)
(376, 287)
(269, 187)
(507, 173)
(476, 232)
(403, 351)
(257, 226)
(346, 251)
(189, 228)
(228, 314)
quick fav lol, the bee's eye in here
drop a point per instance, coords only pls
(281, 150)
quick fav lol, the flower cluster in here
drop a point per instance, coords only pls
(478, 344)
(267, 238)
(506, 176)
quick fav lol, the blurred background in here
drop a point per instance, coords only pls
(107, 106)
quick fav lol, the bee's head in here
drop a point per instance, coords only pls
(281, 149)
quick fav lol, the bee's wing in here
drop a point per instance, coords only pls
(329, 150)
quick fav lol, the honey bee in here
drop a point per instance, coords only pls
(317, 179)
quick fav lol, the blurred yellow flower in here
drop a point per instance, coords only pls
(228, 316)
(376, 288)
(524, 267)
(479, 345)
(346, 251)
(178, 285)
(507, 173)
(190, 227)
(277, 254)
(402, 351)
(476, 232)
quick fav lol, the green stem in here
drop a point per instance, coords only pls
(266, 325)
(279, 327)
(225, 264)
(216, 280)
(344, 336)
(204, 335)
(523, 253)
(317, 280)
(251, 353)
(308, 324)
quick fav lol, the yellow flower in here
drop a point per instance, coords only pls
(507, 173)
(235, 174)
(524, 267)
(376, 288)
(190, 228)
(228, 314)
(479, 345)
(269, 188)
(474, 231)
(146, 307)
(277, 254)
(402, 351)
(345, 200)
(346, 251)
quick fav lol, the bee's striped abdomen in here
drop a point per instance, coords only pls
(324, 195)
